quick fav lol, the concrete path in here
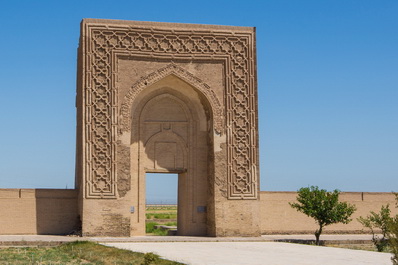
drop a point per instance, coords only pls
(256, 253)
(264, 238)
(228, 250)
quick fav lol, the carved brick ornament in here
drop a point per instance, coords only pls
(103, 119)
(218, 114)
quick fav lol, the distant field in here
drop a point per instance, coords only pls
(155, 207)
(157, 212)
(160, 214)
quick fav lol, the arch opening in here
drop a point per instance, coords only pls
(161, 203)
(171, 133)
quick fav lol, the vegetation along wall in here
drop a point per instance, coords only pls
(277, 217)
(54, 211)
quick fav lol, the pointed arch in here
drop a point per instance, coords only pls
(171, 69)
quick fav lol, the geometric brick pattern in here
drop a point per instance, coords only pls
(171, 69)
(234, 49)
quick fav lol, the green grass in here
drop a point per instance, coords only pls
(157, 214)
(171, 224)
(37, 256)
(161, 207)
(364, 246)
(171, 215)
(161, 212)
(79, 252)
(150, 229)
(160, 232)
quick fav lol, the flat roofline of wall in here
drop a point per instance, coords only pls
(38, 193)
(166, 25)
(341, 192)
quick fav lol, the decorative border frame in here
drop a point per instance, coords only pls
(171, 69)
(103, 42)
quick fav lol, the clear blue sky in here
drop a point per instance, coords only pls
(327, 81)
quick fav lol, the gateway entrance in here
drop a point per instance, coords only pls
(167, 98)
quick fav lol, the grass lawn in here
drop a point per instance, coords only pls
(150, 228)
(79, 252)
(365, 246)
(160, 214)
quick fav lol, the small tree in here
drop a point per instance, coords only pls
(393, 235)
(323, 206)
(380, 221)
(396, 199)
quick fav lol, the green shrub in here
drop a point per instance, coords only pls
(393, 235)
(160, 232)
(149, 227)
(323, 206)
(394, 240)
(150, 258)
(380, 221)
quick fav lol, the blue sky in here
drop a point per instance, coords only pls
(327, 82)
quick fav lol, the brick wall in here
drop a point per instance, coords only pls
(54, 211)
(278, 217)
(38, 211)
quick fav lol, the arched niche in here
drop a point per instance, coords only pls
(171, 132)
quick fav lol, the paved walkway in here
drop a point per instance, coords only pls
(229, 251)
(264, 238)
(256, 253)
